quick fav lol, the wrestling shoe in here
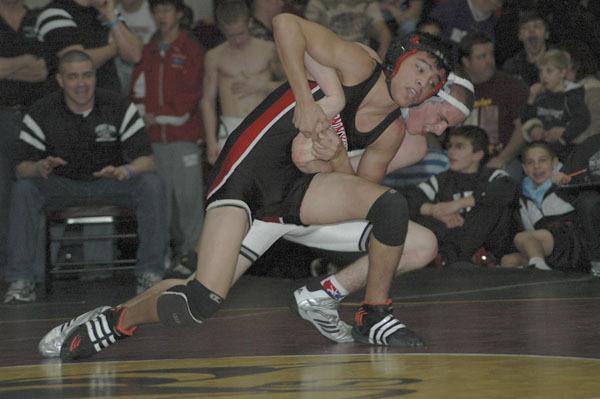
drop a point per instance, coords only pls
(376, 325)
(321, 310)
(51, 343)
(94, 335)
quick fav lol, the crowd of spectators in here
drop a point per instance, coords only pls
(494, 191)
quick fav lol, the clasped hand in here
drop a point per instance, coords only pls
(310, 118)
(114, 172)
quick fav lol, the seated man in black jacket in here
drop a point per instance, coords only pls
(470, 206)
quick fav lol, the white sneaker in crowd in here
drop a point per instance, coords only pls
(20, 291)
(145, 281)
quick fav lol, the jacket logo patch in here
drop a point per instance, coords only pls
(105, 133)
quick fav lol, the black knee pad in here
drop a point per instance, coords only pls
(389, 217)
(187, 305)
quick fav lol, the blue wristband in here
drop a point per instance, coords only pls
(113, 23)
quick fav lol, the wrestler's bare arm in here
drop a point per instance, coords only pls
(374, 162)
(329, 81)
(294, 36)
(312, 156)
(307, 152)
(412, 150)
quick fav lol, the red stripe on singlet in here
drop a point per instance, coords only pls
(249, 137)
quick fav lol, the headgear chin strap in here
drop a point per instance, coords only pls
(388, 79)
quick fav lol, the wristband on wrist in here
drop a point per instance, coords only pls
(114, 22)
(129, 171)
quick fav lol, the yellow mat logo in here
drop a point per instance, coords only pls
(379, 375)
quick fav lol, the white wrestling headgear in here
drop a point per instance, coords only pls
(445, 95)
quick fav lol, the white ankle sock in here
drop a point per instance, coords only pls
(334, 288)
(539, 263)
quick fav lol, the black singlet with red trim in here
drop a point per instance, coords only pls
(354, 97)
(255, 166)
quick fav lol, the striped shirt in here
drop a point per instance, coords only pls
(64, 23)
(112, 133)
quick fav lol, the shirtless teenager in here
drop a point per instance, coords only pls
(239, 73)
(254, 178)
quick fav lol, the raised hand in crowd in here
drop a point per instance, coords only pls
(554, 134)
(537, 133)
(534, 91)
(560, 178)
(127, 44)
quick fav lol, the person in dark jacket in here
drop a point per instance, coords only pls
(469, 206)
(552, 237)
(556, 111)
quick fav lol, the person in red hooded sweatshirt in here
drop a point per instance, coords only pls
(167, 87)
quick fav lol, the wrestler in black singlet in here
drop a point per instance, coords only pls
(255, 169)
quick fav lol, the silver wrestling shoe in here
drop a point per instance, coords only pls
(321, 310)
(51, 343)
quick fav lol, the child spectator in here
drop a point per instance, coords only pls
(167, 86)
(556, 112)
(585, 72)
(552, 239)
(469, 206)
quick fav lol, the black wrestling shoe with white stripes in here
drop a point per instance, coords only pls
(95, 335)
(51, 343)
(376, 325)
